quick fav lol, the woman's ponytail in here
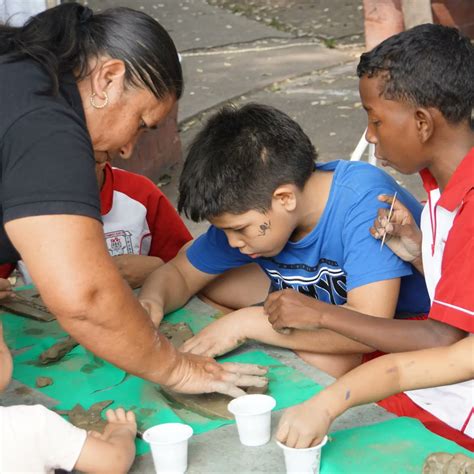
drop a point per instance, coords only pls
(56, 38)
(65, 38)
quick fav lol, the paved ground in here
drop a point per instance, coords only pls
(299, 56)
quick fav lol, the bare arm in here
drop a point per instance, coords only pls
(388, 335)
(112, 451)
(392, 335)
(135, 269)
(79, 283)
(171, 286)
(233, 329)
(306, 424)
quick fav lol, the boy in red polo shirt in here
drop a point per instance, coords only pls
(142, 229)
(418, 90)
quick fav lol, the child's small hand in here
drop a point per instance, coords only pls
(220, 337)
(5, 289)
(304, 425)
(403, 234)
(120, 423)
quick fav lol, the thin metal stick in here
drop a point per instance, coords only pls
(389, 217)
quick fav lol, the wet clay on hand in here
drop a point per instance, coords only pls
(208, 404)
(91, 419)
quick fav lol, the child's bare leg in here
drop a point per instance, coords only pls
(335, 365)
(237, 288)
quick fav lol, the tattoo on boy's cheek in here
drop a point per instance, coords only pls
(264, 227)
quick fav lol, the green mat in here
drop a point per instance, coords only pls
(395, 446)
(80, 377)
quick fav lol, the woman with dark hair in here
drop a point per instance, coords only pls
(73, 82)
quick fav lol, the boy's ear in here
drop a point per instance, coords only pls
(424, 124)
(285, 195)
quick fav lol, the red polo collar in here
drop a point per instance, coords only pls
(461, 182)
(107, 191)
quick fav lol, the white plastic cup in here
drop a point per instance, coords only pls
(169, 447)
(253, 418)
(304, 460)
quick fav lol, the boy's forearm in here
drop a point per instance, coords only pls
(394, 373)
(390, 335)
(322, 341)
(166, 289)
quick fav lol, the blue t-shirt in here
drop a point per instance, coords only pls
(339, 254)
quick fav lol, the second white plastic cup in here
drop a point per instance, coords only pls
(253, 418)
(169, 447)
(303, 461)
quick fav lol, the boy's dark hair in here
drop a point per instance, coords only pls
(428, 66)
(65, 38)
(238, 160)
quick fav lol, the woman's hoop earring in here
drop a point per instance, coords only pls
(101, 106)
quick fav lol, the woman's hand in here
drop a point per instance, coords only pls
(220, 337)
(403, 234)
(196, 374)
(304, 425)
(289, 309)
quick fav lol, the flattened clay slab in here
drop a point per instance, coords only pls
(91, 419)
(57, 351)
(446, 463)
(208, 404)
(28, 303)
(178, 333)
(43, 381)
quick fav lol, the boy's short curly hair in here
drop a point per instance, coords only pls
(238, 160)
(428, 66)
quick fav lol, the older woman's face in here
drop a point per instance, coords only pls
(117, 126)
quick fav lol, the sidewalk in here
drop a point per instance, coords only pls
(271, 52)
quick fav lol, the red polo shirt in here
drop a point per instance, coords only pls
(453, 301)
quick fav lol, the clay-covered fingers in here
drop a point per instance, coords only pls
(247, 369)
(235, 376)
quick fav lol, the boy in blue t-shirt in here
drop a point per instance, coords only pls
(251, 173)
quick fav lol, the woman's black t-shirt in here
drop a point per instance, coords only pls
(47, 161)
